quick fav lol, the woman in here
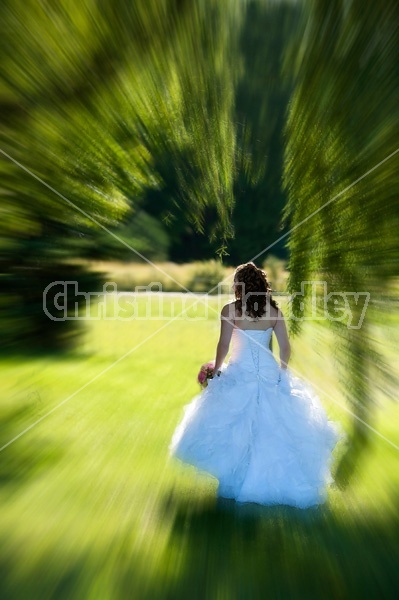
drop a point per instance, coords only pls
(259, 430)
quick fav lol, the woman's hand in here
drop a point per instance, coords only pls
(216, 373)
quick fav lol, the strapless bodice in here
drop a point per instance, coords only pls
(250, 351)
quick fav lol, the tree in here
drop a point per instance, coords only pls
(340, 161)
(94, 117)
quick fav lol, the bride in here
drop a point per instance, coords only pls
(261, 431)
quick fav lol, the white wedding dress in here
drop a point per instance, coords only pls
(266, 439)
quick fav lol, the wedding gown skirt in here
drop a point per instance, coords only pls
(266, 441)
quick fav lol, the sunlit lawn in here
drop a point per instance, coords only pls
(91, 506)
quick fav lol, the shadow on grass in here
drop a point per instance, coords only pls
(32, 352)
(219, 549)
(232, 550)
(21, 459)
(349, 462)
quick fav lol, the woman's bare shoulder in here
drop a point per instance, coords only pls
(272, 311)
(279, 316)
(229, 307)
(229, 310)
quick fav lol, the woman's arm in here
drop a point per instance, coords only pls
(280, 330)
(226, 330)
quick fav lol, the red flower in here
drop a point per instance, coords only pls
(206, 372)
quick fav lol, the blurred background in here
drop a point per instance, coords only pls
(168, 141)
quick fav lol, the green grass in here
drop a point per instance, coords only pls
(92, 508)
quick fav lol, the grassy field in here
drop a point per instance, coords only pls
(92, 508)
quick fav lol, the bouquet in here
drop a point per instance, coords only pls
(206, 372)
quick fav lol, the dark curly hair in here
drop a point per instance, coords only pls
(252, 280)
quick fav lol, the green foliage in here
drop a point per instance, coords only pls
(340, 166)
(263, 92)
(95, 117)
(275, 269)
(253, 151)
(140, 131)
(142, 236)
(206, 277)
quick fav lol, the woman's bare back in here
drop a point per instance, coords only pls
(267, 321)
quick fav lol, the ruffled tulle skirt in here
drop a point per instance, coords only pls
(266, 441)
